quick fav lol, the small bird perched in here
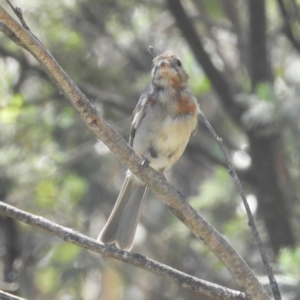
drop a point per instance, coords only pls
(162, 123)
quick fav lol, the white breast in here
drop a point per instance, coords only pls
(168, 137)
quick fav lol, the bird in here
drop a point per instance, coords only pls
(163, 120)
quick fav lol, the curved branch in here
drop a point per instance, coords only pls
(156, 182)
(251, 222)
(71, 236)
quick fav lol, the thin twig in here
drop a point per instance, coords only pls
(71, 236)
(7, 296)
(18, 12)
(152, 51)
(251, 223)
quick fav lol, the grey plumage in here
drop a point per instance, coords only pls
(121, 225)
(162, 123)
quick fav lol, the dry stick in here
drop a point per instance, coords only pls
(71, 236)
(7, 296)
(152, 51)
(18, 12)
(174, 200)
(251, 223)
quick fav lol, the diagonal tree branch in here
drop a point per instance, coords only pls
(7, 296)
(251, 222)
(175, 201)
(71, 236)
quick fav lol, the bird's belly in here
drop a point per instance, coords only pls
(165, 142)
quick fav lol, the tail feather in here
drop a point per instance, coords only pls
(130, 218)
(121, 225)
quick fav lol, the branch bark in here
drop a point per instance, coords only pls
(7, 296)
(71, 236)
(156, 182)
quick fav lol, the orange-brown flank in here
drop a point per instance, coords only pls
(186, 106)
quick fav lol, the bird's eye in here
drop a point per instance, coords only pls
(179, 63)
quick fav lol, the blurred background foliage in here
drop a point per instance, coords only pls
(53, 166)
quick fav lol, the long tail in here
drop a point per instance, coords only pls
(121, 225)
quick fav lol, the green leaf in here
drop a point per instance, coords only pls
(8, 115)
(16, 101)
(203, 87)
(265, 92)
(46, 279)
(66, 117)
(66, 253)
(214, 8)
(289, 260)
(74, 188)
(46, 192)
